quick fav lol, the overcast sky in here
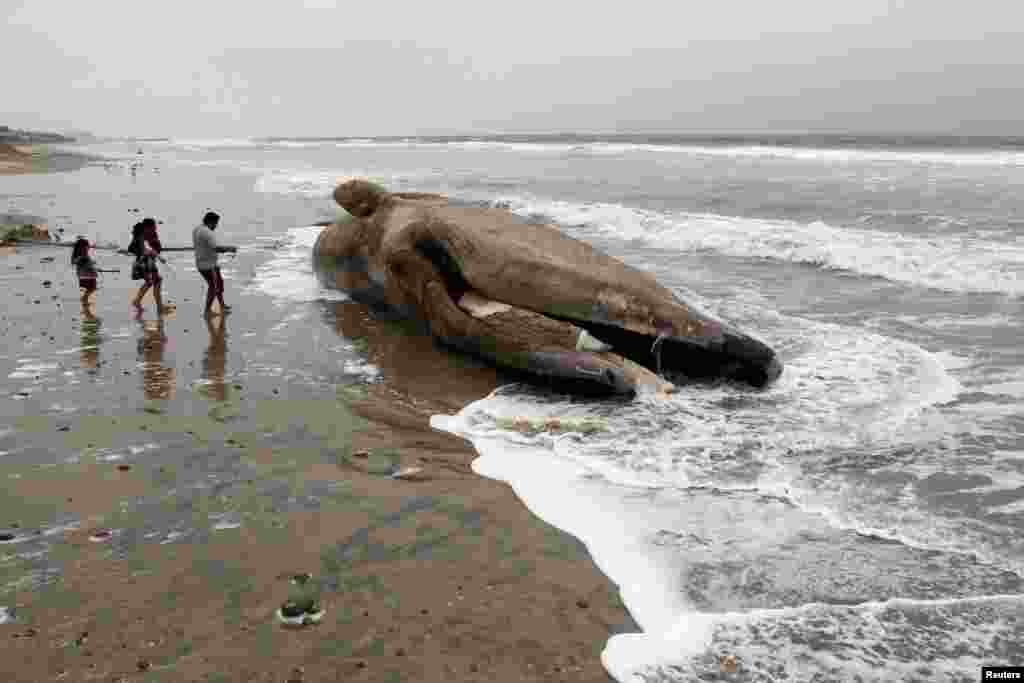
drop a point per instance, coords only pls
(217, 68)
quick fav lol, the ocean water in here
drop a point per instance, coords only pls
(860, 520)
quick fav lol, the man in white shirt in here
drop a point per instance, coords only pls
(204, 242)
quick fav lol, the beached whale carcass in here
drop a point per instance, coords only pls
(525, 295)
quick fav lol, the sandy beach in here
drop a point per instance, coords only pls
(14, 160)
(171, 483)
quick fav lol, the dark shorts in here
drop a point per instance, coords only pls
(146, 270)
(87, 283)
(214, 280)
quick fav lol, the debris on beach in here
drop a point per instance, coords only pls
(24, 232)
(411, 473)
(225, 525)
(301, 612)
(552, 424)
(100, 535)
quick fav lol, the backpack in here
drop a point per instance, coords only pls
(135, 246)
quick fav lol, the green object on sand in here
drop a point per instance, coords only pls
(15, 233)
(552, 425)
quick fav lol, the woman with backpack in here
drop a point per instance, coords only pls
(146, 247)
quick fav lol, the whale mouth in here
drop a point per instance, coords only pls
(730, 355)
(734, 356)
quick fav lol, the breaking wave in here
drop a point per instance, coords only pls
(321, 183)
(961, 263)
(824, 154)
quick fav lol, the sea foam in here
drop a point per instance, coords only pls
(288, 275)
(808, 154)
(844, 391)
(958, 264)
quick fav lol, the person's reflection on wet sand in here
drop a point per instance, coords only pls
(157, 379)
(215, 360)
(89, 342)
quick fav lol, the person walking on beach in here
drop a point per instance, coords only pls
(146, 247)
(85, 269)
(204, 243)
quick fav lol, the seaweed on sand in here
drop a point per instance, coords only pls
(552, 425)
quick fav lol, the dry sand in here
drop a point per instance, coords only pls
(14, 160)
(247, 483)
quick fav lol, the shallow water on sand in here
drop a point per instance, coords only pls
(162, 411)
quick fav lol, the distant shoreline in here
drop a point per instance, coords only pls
(21, 159)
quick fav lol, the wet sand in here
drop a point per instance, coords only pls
(165, 480)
